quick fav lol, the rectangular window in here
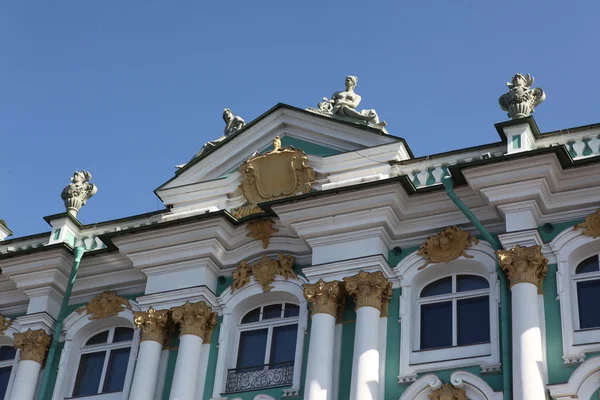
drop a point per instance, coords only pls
(516, 142)
(116, 369)
(283, 344)
(253, 345)
(89, 374)
(588, 297)
(473, 320)
(4, 377)
(436, 325)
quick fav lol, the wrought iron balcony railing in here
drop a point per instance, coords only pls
(260, 377)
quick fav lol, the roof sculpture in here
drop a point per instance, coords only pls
(521, 99)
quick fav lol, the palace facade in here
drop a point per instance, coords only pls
(309, 254)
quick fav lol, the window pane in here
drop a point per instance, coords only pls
(473, 320)
(252, 348)
(102, 337)
(116, 369)
(252, 316)
(4, 377)
(291, 310)
(122, 334)
(442, 286)
(464, 283)
(7, 353)
(436, 325)
(588, 265)
(588, 298)
(272, 311)
(89, 374)
(283, 344)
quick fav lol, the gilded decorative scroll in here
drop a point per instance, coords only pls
(261, 229)
(591, 225)
(5, 323)
(448, 392)
(524, 264)
(370, 289)
(279, 173)
(264, 272)
(446, 246)
(106, 304)
(155, 324)
(245, 210)
(33, 345)
(195, 319)
(324, 297)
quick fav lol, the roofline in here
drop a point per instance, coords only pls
(55, 246)
(445, 153)
(278, 106)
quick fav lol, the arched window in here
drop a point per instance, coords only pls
(454, 311)
(587, 281)
(266, 348)
(103, 362)
(7, 357)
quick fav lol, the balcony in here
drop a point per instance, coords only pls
(260, 377)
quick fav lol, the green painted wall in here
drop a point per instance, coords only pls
(212, 360)
(307, 147)
(347, 351)
(548, 236)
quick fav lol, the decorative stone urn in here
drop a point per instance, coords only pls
(76, 193)
(521, 99)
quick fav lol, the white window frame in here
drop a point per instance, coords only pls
(582, 384)
(236, 305)
(262, 324)
(78, 329)
(414, 361)
(570, 248)
(454, 297)
(589, 276)
(107, 348)
(9, 363)
(476, 388)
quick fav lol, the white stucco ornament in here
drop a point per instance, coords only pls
(521, 100)
(78, 192)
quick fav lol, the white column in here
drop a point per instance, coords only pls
(25, 382)
(528, 382)
(187, 365)
(365, 385)
(146, 371)
(319, 368)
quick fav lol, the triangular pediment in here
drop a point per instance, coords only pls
(216, 171)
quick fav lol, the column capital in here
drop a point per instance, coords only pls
(195, 319)
(155, 324)
(524, 264)
(370, 289)
(324, 297)
(33, 345)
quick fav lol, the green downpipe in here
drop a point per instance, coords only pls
(62, 314)
(504, 294)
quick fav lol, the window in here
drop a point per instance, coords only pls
(587, 281)
(266, 348)
(7, 357)
(454, 311)
(103, 362)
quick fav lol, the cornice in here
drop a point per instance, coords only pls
(338, 270)
(172, 298)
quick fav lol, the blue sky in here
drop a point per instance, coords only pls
(129, 89)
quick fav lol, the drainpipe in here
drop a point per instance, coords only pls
(504, 294)
(62, 314)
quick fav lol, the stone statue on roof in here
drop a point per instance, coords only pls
(521, 100)
(233, 124)
(344, 105)
(78, 192)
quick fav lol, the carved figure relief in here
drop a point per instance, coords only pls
(78, 192)
(264, 272)
(524, 264)
(448, 392)
(521, 99)
(446, 246)
(5, 323)
(106, 304)
(591, 225)
(261, 229)
(279, 173)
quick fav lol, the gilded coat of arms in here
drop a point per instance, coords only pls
(278, 173)
(446, 246)
(264, 272)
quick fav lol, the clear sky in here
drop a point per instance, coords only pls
(128, 89)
